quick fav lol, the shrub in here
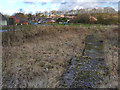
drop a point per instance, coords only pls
(61, 20)
(83, 18)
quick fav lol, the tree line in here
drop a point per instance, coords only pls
(102, 18)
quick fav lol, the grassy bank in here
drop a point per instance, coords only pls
(110, 40)
(111, 58)
(27, 33)
(38, 55)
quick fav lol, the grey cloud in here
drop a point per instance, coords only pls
(78, 5)
(43, 3)
(29, 2)
(70, 4)
(64, 3)
(34, 2)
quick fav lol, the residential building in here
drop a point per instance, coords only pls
(19, 20)
(3, 20)
(15, 19)
(93, 18)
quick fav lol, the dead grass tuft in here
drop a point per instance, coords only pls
(35, 50)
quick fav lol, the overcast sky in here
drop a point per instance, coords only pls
(12, 6)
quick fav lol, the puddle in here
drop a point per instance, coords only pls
(6, 30)
(86, 71)
(3, 30)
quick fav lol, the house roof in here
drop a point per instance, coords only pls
(91, 17)
(21, 19)
(2, 17)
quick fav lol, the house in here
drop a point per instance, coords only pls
(70, 17)
(46, 20)
(93, 18)
(16, 20)
(19, 20)
(3, 20)
(61, 16)
(53, 21)
(52, 15)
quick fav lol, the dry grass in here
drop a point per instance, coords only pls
(25, 60)
(110, 38)
(44, 47)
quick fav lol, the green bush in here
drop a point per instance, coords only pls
(61, 20)
(107, 21)
(102, 18)
(83, 18)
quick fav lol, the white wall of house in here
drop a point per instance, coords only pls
(3, 22)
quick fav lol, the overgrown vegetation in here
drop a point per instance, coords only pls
(82, 18)
(111, 46)
(102, 18)
(40, 55)
(61, 20)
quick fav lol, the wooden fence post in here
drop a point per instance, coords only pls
(8, 34)
(14, 32)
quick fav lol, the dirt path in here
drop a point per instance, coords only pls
(88, 70)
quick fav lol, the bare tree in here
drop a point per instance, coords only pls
(54, 12)
(46, 13)
(109, 10)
